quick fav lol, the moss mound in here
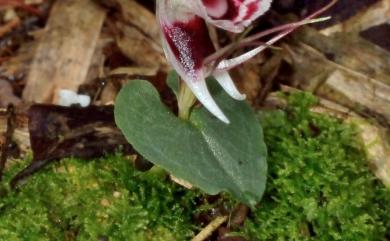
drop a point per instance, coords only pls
(319, 188)
(104, 199)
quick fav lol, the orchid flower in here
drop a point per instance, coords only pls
(190, 50)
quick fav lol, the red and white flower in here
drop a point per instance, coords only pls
(188, 46)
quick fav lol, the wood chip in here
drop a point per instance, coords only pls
(376, 14)
(64, 53)
(9, 26)
(376, 143)
(345, 69)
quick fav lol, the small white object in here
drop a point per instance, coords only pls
(69, 97)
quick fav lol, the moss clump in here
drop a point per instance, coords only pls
(79, 200)
(319, 188)
(319, 185)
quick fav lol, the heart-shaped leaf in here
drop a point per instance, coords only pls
(204, 151)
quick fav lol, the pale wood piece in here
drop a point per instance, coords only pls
(345, 69)
(376, 14)
(376, 145)
(64, 53)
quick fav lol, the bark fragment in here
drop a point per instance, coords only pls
(345, 69)
(64, 53)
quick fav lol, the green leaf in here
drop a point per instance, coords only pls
(204, 151)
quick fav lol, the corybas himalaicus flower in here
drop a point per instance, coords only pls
(190, 50)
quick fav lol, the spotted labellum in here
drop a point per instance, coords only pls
(190, 50)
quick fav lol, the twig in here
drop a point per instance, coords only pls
(210, 228)
(9, 26)
(8, 138)
(19, 4)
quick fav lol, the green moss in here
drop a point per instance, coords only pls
(79, 200)
(319, 188)
(319, 185)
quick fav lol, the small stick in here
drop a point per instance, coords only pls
(210, 228)
(8, 138)
(4, 4)
(9, 26)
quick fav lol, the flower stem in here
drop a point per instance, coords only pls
(185, 101)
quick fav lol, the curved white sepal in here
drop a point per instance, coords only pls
(197, 83)
(228, 85)
(200, 90)
(231, 63)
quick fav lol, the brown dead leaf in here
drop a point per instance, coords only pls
(58, 132)
(138, 16)
(139, 48)
(248, 78)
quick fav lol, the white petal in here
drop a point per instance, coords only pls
(200, 90)
(228, 85)
(196, 82)
(187, 58)
(231, 63)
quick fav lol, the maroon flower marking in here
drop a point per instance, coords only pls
(190, 42)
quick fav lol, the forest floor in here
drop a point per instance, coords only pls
(55, 54)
